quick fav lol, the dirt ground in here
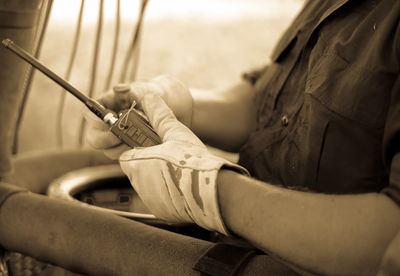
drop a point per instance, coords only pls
(207, 44)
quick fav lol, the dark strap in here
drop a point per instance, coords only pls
(224, 260)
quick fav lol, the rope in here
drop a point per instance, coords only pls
(116, 41)
(40, 33)
(94, 66)
(135, 61)
(136, 52)
(133, 45)
(61, 104)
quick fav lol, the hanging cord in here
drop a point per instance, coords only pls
(40, 33)
(135, 60)
(116, 43)
(94, 66)
(61, 104)
(134, 44)
(136, 51)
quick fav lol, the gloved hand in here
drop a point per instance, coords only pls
(174, 93)
(176, 179)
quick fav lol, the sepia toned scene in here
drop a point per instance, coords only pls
(225, 137)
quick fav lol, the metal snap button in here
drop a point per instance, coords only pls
(284, 120)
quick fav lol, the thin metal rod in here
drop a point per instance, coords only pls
(133, 45)
(94, 66)
(116, 43)
(8, 43)
(61, 104)
(93, 105)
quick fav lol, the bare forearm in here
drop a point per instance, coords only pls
(224, 118)
(324, 233)
(390, 264)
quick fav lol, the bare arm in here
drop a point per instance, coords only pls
(224, 118)
(323, 233)
(390, 264)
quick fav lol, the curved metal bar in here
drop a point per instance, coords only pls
(72, 183)
(134, 43)
(116, 43)
(61, 104)
(95, 60)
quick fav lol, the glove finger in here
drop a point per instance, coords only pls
(115, 152)
(140, 89)
(101, 139)
(93, 121)
(151, 187)
(98, 135)
(109, 100)
(181, 92)
(137, 92)
(164, 121)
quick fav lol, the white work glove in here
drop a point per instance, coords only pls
(175, 94)
(176, 179)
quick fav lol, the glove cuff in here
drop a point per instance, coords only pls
(202, 197)
(181, 185)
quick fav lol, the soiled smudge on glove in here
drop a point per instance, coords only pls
(196, 188)
(176, 175)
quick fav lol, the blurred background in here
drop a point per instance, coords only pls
(206, 43)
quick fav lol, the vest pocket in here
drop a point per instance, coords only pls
(349, 89)
(299, 153)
